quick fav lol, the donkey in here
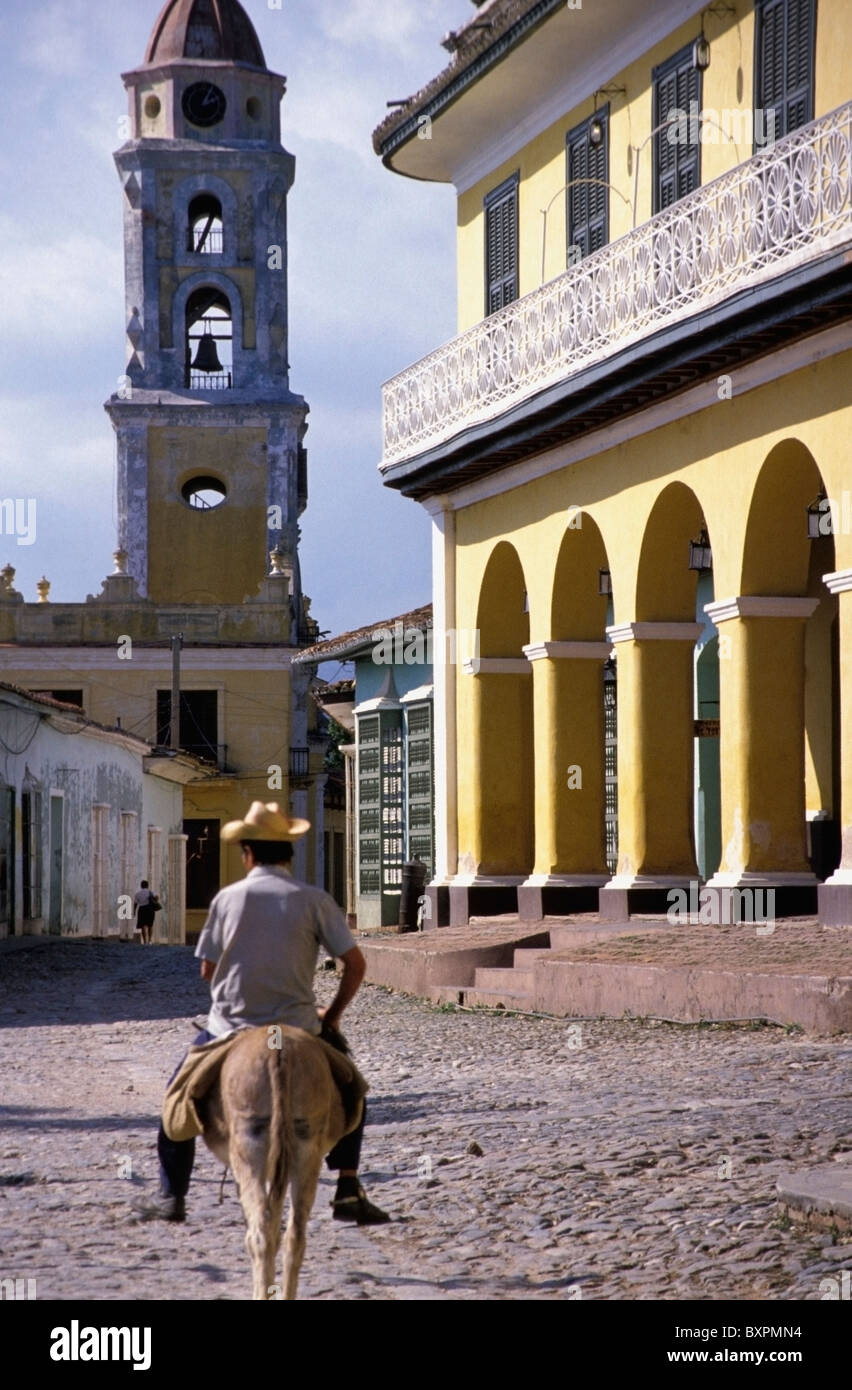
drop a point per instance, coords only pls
(272, 1116)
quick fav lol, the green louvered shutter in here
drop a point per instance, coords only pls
(420, 807)
(369, 806)
(677, 162)
(587, 195)
(784, 78)
(501, 246)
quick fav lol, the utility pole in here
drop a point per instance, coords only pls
(174, 733)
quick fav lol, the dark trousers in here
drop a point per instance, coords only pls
(177, 1158)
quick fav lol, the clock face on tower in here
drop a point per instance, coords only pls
(204, 104)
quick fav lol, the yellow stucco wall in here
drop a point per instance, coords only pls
(799, 427)
(206, 556)
(728, 86)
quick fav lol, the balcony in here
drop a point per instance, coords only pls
(779, 211)
(300, 764)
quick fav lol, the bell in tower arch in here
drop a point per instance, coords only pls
(206, 357)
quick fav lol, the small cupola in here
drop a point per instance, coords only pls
(206, 31)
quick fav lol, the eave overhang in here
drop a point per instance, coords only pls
(545, 59)
(456, 84)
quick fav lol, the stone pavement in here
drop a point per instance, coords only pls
(618, 1160)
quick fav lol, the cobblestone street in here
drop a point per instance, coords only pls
(618, 1160)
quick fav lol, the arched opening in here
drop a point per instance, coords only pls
(501, 790)
(209, 340)
(503, 616)
(206, 228)
(794, 661)
(666, 588)
(673, 669)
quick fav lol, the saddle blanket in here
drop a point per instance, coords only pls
(200, 1072)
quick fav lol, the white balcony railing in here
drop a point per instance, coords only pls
(778, 209)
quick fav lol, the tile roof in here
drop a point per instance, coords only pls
(62, 708)
(350, 642)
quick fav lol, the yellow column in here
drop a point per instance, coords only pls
(656, 841)
(835, 895)
(502, 791)
(762, 712)
(570, 841)
(569, 762)
(495, 790)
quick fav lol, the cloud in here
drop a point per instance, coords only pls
(56, 39)
(60, 453)
(56, 281)
(335, 98)
(399, 27)
(54, 448)
(344, 115)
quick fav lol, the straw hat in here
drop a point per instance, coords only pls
(265, 823)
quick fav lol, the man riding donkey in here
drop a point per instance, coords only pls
(259, 950)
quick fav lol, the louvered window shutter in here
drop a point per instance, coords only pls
(501, 246)
(677, 162)
(784, 80)
(689, 154)
(588, 195)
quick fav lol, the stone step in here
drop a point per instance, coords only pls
(823, 1194)
(525, 958)
(564, 935)
(470, 995)
(498, 998)
(495, 977)
(447, 994)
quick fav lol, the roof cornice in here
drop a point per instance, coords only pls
(406, 123)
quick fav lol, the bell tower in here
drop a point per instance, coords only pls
(211, 468)
(190, 644)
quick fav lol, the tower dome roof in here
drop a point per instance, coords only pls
(218, 30)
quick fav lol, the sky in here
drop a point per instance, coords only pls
(372, 281)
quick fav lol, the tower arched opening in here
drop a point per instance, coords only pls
(205, 234)
(209, 340)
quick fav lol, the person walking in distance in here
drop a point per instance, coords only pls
(146, 911)
(258, 950)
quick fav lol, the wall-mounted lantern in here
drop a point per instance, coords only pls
(700, 553)
(817, 510)
(701, 52)
(604, 582)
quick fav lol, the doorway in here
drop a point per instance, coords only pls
(202, 863)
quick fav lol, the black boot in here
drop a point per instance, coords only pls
(351, 1204)
(160, 1208)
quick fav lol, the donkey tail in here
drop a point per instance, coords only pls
(280, 1153)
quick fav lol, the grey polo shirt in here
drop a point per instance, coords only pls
(264, 936)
